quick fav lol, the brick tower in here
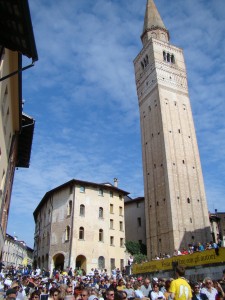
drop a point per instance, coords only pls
(175, 201)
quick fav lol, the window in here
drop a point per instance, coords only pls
(121, 242)
(139, 222)
(111, 208)
(112, 263)
(121, 226)
(120, 197)
(188, 200)
(100, 212)
(69, 208)
(82, 189)
(82, 210)
(101, 262)
(100, 192)
(167, 57)
(111, 240)
(138, 204)
(100, 235)
(111, 224)
(111, 194)
(81, 233)
(120, 211)
(67, 237)
(121, 264)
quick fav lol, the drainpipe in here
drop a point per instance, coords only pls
(72, 226)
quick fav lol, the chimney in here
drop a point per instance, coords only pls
(116, 182)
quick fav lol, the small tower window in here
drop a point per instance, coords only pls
(164, 55)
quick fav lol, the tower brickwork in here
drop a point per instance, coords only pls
(175, 201)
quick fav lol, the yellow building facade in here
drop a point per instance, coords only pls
(80, 225)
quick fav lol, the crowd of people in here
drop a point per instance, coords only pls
(69, 285)
(192, 248)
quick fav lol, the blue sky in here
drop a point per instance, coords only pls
(82, 95)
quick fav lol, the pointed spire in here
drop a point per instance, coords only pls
(153, 24)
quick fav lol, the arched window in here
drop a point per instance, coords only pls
(101, 262)
(69, 208)
(172, 59)
(168, 57)
(164, 55)
(100, 212)
(82, 210)
(188, 200)
(81, 233)
(67, 237)
(100, 235)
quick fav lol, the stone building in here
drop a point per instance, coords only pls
(176, 208)
(80, 224)
(16, 128)
(135, 224)
(16, 253)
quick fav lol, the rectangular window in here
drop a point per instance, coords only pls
(139, 222)
(100, 192)
(111, 194)
(112, 263)
(111, 208)
(82, 189)
(111, 223)
(120, 211)
(121, 226)
(111, 240)
(121, 242)
(138, 204)
(121, 264)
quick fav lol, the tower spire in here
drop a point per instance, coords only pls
(153, 24)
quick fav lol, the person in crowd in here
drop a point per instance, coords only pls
(11, 294)
(138, 292)
(156, 294)
(146, 287)
(197, 295)
(35, 295)
(209, 289)
(120, 286)
(110, 294)
(179, 288)
(129, 290)
(53, 294)
(219, 289)
(167, 288)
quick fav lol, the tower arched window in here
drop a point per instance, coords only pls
(100, 212)
(164, 55)
(168, 57)
(67, 237)
(100, 235)
(172, 59)
(81, 233)
(82, 210)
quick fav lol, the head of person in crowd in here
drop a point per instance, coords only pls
(124, 295)
(180, 271)
(84, 294)
(146, 282)
(196, 288)
(69, 289)
(54, 293)
(110, 294)
(167, 284)
(10, 294)
(155, 287)
(35, 295)
(208, 284)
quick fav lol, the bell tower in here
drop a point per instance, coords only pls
(175, 201)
